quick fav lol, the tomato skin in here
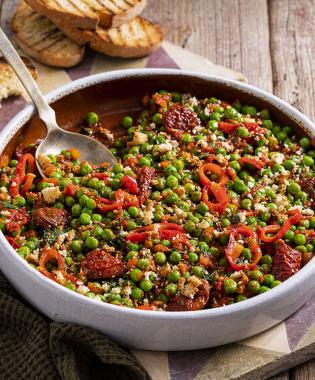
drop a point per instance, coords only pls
(286, 261)
(50, 217)
(17, 219)
(145, 177)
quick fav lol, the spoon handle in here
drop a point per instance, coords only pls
(46, 113)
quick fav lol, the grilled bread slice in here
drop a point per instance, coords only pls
(10, 84)
(87, 14)
(137, 38)
(42, 40)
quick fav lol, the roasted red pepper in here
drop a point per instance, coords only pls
(130, 184)
(279, 231)
(123, 200)
(234, 249)
(26, 160)
(220, 195)
(215, 169)
(48, 255)
(255, 162)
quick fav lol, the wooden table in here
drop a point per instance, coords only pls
(271, 42)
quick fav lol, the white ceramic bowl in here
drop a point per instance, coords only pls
(151, 330)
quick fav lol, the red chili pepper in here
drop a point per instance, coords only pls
(165, 231)
(170, 226)
(254, 127)
(252, 161)
(279, 231)
(102, 176)
(231, 173)
(18, 179)
(228, 127)
(130, 184)
(213, 168)
(220, 194)
(234, 249)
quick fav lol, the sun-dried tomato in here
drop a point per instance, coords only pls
(179, 119)
(48, 217)
(182, 303)
(99, 264)
(17, 219)
(286, 261)
(145, 177)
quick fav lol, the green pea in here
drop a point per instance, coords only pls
(235, 165)
(91, 243)
(77, 246)
(31, 245)
(215, 116)
(196, 196)
(299, 239)
(266, 259)
(301, 248)
(202, 208)
(246, 204)
(240, 298)
(97, 217)
(312, 222)
(275, 283)
(242, 132)
(137, 294)
(239, 186)
(90, 204)
(136, 275)
(289, 235)
(58, 205)
(288, 164)
(186, 138)
(143, 263)
(97, 232)
(92, 118)
(174, 276)
(85, 218)
(131, 225)
(127, 122)
(69, 201)
(175, 257)
(160, 258)
(19, 201)
(213, 125)
(263, 289)
(264, 114)
(171, 198)
(305, 142)
(253, 286)
(293, 188)
(171, 181)
(307, 161)
(145, 161)
(268, 279)
(247, 254)
(24, 251)
(85, 169)
(249, 110)
(230, 113)
(170, 289)
(267, 124)
(193, 258)
(146, 285)
(281, 136)
(13, 163)
(230, 286)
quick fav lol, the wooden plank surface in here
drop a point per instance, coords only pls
(271, 42)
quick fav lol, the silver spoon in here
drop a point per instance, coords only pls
(56, 139)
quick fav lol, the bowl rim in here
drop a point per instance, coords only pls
(257, 303)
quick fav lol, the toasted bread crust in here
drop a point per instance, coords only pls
(80, 36)
(137, 38)
(42, 40)
(81, 14)
(10, 85)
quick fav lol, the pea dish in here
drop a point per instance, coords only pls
(210, 203)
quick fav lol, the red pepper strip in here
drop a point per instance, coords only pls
(171, 234)
(13, 242)
(28, 159)
(123, 200)
(279, 231)
(228, 127)
(234, 249)
(46, 256)
(130, 184)
(170, 226)
(220, 194)
(28, 181)
(231, 173)
(213, 168)
(252, 161)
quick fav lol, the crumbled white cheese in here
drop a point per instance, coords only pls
(51, 194)
(277, 157)
(165, 147)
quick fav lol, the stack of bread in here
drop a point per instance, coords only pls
(56, 32)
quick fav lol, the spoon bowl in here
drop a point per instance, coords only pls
(56, 139)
